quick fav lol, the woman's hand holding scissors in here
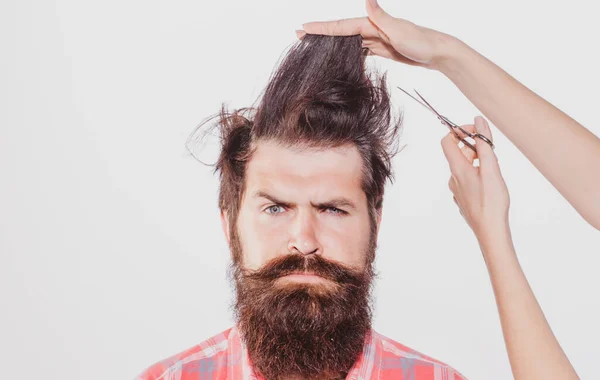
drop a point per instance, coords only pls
(479, 191)
(482, 197)
(483, 200)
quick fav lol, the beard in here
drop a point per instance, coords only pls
(303, 330)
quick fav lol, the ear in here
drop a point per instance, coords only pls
(225, 225)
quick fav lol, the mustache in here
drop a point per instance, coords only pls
(300, 263)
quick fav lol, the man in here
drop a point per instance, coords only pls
(302, 185)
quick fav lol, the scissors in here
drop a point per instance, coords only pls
(452, 125)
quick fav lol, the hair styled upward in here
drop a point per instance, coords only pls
(320, 96)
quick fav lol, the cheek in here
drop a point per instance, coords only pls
(346, 242)
(261, 241)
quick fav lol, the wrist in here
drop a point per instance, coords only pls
(451, 54)
(496, 240)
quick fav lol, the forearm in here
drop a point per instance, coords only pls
(565, 152)
(533, 351)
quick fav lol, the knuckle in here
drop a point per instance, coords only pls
(451, 183)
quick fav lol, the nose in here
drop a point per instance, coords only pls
(303, 238)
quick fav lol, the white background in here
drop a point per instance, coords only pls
(111, 252)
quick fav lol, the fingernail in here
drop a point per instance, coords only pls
(300, 33)
(373, 3)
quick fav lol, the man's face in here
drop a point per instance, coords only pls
(302, 251)
(304, 201)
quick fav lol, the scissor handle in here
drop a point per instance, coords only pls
(472, 135)
(479, 135)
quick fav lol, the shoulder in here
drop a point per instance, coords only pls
(210, 354)
(395, 356)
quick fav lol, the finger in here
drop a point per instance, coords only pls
(369, 42)
(487, 157)
(378, 49)
(456, 201)
(457, 204)
(383, 49)
(469, 154)
(459, 208)
(300, 33)
(457, 161)
(467, 127)
(451, 184)
(345, 27)
(383, 20)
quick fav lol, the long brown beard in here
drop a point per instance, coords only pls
(302, 330)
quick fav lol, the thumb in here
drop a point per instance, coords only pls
(379, 17)
(485, 153)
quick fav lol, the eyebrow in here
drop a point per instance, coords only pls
(339, 202)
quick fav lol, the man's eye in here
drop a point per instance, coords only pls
(336, 211)
(275, 209)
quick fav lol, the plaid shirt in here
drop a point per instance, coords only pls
(224, 356)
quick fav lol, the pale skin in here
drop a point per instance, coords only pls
(307, 201)
(536, 127)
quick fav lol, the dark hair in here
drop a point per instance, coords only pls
(320, 96)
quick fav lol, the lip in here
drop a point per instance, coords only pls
(304, 277)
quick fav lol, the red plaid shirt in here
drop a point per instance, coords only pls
(224, 356)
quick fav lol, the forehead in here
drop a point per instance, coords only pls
(320, 172)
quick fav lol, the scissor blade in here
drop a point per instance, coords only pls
(434, 111)
(420, 102)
